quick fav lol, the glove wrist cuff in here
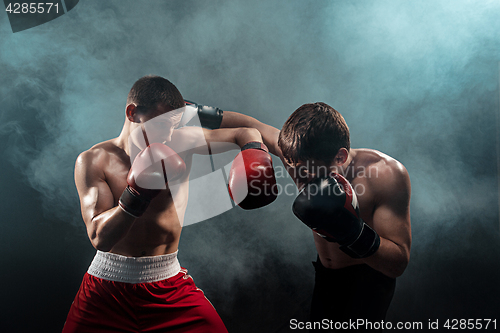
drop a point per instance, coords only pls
(132, 203)
(365, 245)
(255, 145)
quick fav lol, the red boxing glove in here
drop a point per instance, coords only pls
(251, 179)
(152, 169)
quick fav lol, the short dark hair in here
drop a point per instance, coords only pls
(150, 90)
(313, 131)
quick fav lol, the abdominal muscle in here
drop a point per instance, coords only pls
(158, 230)
(330, 255)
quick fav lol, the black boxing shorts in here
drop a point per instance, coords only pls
(353, 292)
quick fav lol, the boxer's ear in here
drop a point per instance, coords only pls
(131, 113)
(341, 156)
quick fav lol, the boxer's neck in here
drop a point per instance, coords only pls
(123, 140)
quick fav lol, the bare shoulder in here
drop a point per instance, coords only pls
(385, 174)
(187, 138)
(97, 151)
(95, 158)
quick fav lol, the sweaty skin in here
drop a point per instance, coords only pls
(100, 177)
(383, 190)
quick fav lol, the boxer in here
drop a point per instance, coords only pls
(356, 201)
(134, 212)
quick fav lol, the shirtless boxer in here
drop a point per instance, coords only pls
(135, 282)
(360, 252)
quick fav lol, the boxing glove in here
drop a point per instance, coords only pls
(210, 117)
(252, 183)
(329, 206)
(152, 169)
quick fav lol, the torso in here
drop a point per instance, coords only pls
(367, 166)
(158, 230)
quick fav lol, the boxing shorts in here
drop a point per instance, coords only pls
(143, 294)
(353, 292)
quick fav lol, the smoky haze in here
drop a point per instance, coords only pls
(417, 80)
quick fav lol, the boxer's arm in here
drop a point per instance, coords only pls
(238, 136)
(391, 220)
(194, 140)
(269, 133)
(106, 222)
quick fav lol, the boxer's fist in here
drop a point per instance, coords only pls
(329, 206)
(210, 117)
(252, 183)
(152, 169)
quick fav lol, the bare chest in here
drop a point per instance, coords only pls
(366, 198)
(161, 219)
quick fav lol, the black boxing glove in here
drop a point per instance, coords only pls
(210, 117)
(329, 206)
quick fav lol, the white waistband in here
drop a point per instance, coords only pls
(115, 267)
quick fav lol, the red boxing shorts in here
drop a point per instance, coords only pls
(144, 294)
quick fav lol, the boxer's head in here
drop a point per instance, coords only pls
(317, 134)
(154, 109)
(151, 96)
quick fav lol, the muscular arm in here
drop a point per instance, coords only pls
(391, 220)
(269, 134)
(195, 140)
(239, 136)
(106, 223)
